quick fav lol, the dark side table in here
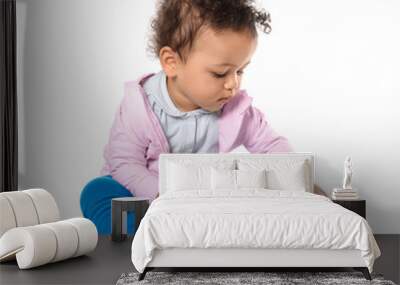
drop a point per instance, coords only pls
(126, 204)
(357, 206)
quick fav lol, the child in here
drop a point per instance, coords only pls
(194, 104)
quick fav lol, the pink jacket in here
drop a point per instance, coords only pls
(137, 139)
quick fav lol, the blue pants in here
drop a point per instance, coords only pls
(96, 199)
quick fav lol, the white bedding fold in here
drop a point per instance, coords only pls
(251, 218)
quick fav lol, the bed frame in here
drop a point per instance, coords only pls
(251, 258)
(244, 259)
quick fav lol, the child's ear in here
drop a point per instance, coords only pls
(169, 61)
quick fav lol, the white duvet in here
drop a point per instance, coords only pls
(251, 218)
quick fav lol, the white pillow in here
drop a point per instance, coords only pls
(223, 179)
(281, 174)
(183, 178)
(288, 178)
(251, 178)
(227, 179)
(188, 174)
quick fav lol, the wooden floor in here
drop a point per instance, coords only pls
(111, 259)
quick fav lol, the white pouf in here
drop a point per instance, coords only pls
(31, 231)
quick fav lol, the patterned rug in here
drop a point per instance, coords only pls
(270, 278)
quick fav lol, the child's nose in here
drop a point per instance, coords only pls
(232, 84)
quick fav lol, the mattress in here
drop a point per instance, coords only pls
(250, 219)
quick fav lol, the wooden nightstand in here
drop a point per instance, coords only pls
(357, 206)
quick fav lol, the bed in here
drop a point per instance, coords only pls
(243, 210)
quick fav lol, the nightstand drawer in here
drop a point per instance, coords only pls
(357, 206)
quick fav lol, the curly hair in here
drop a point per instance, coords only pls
(177, 22)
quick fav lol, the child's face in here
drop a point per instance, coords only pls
(203, 81)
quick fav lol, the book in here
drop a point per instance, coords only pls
(341, 190)
(345, 194)
(345, 197)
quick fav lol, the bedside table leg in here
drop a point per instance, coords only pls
(116, 221)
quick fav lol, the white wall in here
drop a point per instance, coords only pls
(327, 77)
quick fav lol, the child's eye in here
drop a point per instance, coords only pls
(240, 72)
(218, 75)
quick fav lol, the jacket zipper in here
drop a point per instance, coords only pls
(156, 127)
